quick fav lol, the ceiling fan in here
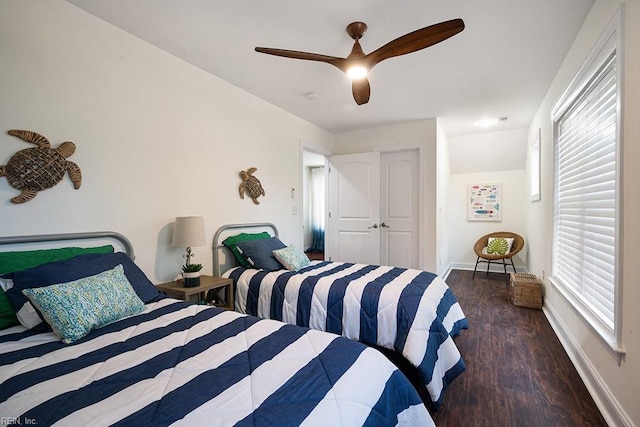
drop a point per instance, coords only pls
(357, 64)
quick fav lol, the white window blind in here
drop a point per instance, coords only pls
(585, 223)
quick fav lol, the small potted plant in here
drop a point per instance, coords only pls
(191, 275)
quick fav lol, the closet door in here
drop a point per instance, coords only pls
(399, 210)
(354, 208)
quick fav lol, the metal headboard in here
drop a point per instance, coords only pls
(43, 238)
(221, 265)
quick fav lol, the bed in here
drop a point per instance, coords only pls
(410, 315)
(168, 362)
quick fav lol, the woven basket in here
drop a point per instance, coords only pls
(525, 290)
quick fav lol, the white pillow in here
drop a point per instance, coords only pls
(6, 284)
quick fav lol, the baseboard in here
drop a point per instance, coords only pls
(608, 405)
(446, 272)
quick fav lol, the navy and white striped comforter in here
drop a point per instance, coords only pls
(185, 364)
(411, 312)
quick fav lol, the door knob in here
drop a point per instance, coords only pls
(374, 226)
(383, 225)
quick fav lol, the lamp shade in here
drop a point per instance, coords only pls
(188, 231)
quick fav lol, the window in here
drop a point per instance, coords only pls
(586, 190)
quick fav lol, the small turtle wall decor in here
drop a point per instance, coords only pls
(251, 185)
(39, 168)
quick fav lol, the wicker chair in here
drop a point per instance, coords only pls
(518, 244)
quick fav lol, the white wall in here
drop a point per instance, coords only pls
(488, 157)
(463, 234)
(448, 237)
(416, 134)
(615, 387)
(499, 150)
(443, 213)
(156, 137)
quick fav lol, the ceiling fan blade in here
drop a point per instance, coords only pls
(333, 60)
(416, 40)
(361, 90)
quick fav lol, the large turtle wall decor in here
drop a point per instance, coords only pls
(251, 185)
(36, 169)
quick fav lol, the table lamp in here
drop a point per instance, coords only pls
(189, 231)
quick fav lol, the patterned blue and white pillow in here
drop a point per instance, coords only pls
(291, 258)
(72, 309)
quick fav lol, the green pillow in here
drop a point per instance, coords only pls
(7, 315)
(22, 260)
(499, 245)
(232, 241)
(74, 308)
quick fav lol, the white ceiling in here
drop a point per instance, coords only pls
(500, 65)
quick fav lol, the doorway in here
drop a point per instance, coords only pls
(314, 203)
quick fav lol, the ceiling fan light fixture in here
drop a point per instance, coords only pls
(357, 72)
(358, 64)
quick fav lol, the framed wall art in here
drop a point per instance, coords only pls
(484, 202)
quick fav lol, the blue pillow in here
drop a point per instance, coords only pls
(73, 309)
(259, 253)
(232, 241)
(69, 270)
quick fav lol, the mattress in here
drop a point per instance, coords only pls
(184, 364)
(411, 312)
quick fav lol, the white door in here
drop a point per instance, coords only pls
(354, 208)
(399, 209)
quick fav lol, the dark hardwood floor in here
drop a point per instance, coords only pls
(517, 372)
(315, 256)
